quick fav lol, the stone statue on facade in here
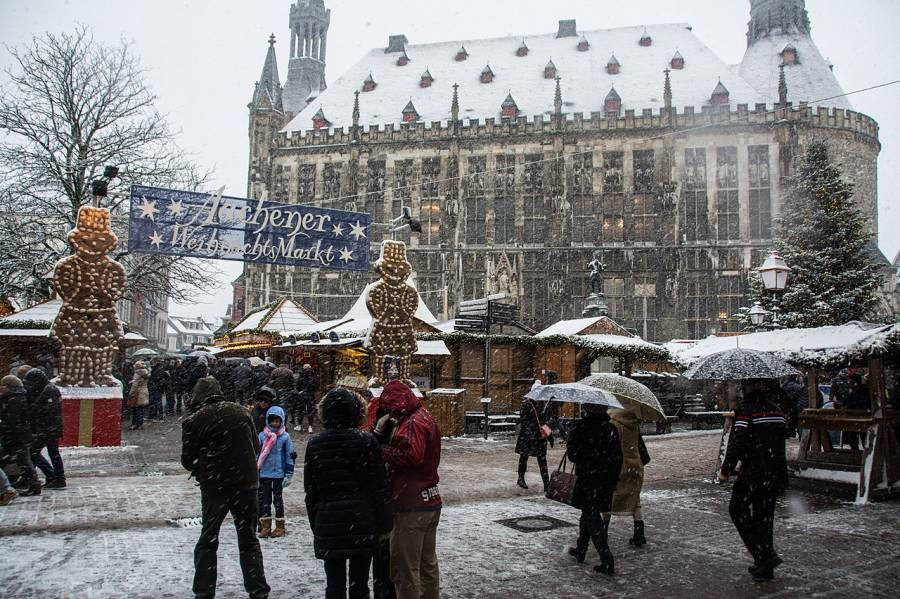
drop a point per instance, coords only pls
(596, 267)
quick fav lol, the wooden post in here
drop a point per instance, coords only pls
(871, 470)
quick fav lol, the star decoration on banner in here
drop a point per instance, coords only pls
(148, 208)
(346, 255)
(175, 207)
(337, 230)
(357, 231)
(156, 239)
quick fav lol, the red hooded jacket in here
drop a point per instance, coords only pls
(414, 453)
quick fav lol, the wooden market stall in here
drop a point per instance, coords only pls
(259, 331)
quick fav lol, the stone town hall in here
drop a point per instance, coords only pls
(523, 156)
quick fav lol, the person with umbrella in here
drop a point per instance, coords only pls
(534, 434)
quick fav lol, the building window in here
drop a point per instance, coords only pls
(430, 206)
(535, 205)
(614, 292)
(645, 211)
(473, 276)
(694, 218)
(505, 200)
(374, 203)
(306, 183)
(613, 203)
(645, 307)
(281, 183)
(727, 203)
(403, 177)
(475, 201)
(760, 193)
(730, 295)
(429, 268)
(697, 306)
(536, 297)
(584, 204)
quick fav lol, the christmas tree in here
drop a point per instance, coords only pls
(821, 236)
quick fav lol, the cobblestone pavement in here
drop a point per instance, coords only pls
(113, 533)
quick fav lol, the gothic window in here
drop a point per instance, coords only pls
(614, 292)
(584, 204)
(697, 306)
(475, 201)
(645, 307)
(280, 188)
(505, 200)
(694, 219)
(536, 296)
(331, 182)
(730, 295)
(760, 194)
(403, 177)
(613, 204)
(535, 205)
(430, 206)
(473, 276)
(645, 209)
(328, 295)
(306, 183)
(727, 204)
(374, 203)
(428, 269)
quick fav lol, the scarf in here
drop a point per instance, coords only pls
(268, 444)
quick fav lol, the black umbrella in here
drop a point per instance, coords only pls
(739, 364)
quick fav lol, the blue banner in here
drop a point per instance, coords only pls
(199, 225)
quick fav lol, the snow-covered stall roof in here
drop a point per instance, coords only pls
(285, 316)
(31, 322)
(585, 81)
(569, 327)
(818, 346)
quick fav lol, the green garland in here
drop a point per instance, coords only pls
(230, 336)
(25, 324)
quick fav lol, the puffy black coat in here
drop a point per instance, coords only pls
(307, 382)
(529, 442)
(594, 447)
(45, 407)
(159, 379)
(260, 378)
(757, 443)
(347, 493)
(281, 379)
(15, 430)
(243, 382)
(219, 440)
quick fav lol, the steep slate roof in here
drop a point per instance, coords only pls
(268, 88)
(585, 81)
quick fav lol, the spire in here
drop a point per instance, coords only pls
(557, 99)
(267, 93)
(454, 105)
(667, 95)
(782, 86)
(308, 21)
(776, 17)
(356, 109)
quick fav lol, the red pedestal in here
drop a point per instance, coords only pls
(92, 417)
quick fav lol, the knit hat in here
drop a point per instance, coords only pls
(341, 408)
(11, 380)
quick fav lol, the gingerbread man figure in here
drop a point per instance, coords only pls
(89, 283)
(392, 303)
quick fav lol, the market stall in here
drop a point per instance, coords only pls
(260, 330)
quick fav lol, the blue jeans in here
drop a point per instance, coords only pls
(269, 492)
(156, 405)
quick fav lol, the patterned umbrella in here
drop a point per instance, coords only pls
(573, 393)
(633, 395)
(739, 364)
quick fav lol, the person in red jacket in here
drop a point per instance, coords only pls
(412, 455)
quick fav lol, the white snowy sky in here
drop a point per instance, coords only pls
(203, 58)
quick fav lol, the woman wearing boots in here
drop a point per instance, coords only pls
(594, 448)
(627, 497)
(139, 396)
(531, 440)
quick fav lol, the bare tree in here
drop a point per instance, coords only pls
(73, 105)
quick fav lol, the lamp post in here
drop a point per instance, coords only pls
(774, 273)
(757, 315)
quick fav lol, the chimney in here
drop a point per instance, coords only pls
(566, 28)
(396, 43)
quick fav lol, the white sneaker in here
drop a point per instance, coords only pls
(298, 428)
(310, 429)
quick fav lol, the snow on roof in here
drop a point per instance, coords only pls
(584, 83)
(286, 316)
(44, 311)
(178, 324)
(619, 340)
(568, 327)
(809, 80)
(788, 343)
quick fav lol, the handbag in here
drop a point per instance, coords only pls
(543, 429)
(562, 483)
(642, 450)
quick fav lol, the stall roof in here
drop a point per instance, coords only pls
(41, 314)
(286, 315)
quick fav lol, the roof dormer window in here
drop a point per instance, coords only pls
(319, 120)
(509, 109)
(403, 60)
(487, 75)
(583, 44)
(789, 55)
(426, 79)
(612, 105)
(677, 62)
(369, 84)
(646, 41)
(550, 70)
(613, 66)
(522, 50)
(720, 95)
(461, 54)
(410, 114)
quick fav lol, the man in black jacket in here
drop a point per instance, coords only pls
(307, 385)
(156, 386)
(756, 452)
(219, 447)
(15, 432)
(45, 416)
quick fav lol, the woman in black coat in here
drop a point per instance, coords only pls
(530, 442)
(594, 448)
(347, 494)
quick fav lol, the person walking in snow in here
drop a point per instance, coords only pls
(276, 469)
(756, 452)
(307, 385)
(347, 495)
(139, 395)
(45, 416)
(627, 496)
(219, 448)
(595, 449)
(534, 434)
(15, 432)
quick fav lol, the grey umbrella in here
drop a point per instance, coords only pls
(630, 393)
(739, 364)
(573, 393)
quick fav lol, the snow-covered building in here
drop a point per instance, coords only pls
(185, 332)
(522, 156)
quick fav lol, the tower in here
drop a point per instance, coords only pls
(309, 22)
(267, 116)
(769, 17)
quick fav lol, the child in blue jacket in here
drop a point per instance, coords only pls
(276, 469)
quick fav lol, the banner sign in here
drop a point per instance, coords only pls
(199, 225)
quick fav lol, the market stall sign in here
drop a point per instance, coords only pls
(199, 225)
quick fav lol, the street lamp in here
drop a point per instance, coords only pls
(774, 274)
(757, 314)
